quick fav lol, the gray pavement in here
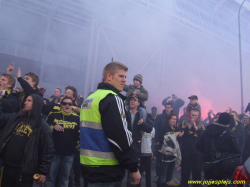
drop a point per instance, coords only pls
(177, 174)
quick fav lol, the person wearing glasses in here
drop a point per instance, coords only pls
(65, 126)
(71, 92)
(191, 157)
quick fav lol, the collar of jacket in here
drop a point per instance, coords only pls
(154, 117)
(65, 113)
(141, 87)
(164, 112)
(8, 92)
(169, 129)
(106, 86)
(219, 125)
(234, 127)
(245, 125)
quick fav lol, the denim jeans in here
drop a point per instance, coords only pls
(60, 166)
(143, 113)
(106, 184)
(166, 171)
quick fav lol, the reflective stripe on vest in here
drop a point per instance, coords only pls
(95, 149)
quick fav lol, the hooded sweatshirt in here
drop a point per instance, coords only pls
(224, 142)
(15, 147)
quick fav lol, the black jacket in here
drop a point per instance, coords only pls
(65, 141)
(166, 130)
(238, 129)
(176, 105)
(138, 130)
(224, 142)
(190, 138)
(9, 103)
(159, 123)
(54, 107)
(39, 148)
(246, 152)
(27, 89)
(114, 124)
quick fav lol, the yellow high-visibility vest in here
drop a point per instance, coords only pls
(95, 149)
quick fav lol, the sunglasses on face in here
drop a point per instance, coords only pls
(65, 103)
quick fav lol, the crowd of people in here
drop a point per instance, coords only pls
(58, 140)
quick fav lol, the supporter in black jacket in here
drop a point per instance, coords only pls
(183, 117)
(216, 143)
(177, 103)
(159, 123)
(238, 129)
(71, 92)
(168, 162)
(111, 109)
(29, 86)
(246, 124)
(26, 144)
(54, 99)
(191, 157)
(65, 125)
(8, 102)
(161, 120)
(137, 126)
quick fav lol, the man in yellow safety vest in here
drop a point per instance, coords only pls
(105, 141)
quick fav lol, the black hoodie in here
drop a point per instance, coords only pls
(27, 141)
(224, 142)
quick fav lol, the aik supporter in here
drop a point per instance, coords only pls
(218, 143)
(105, 141)
(29, 85)
(191, 157)
(26, 145)
(70, 91)
(65, 125)
(8, 102)
(137, 126)
(238, 129)
(170, 152)
(246, 124)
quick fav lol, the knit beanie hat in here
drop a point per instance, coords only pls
(224, 118)
(138, 77)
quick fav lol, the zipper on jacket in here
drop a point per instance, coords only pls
(13, 132)
(7, 140)
(24, 157)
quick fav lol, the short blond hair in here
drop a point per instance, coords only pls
(112, 68)
(11, 80)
